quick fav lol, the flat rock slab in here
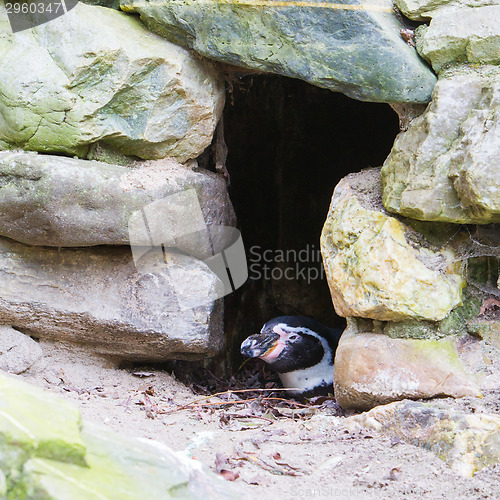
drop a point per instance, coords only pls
(350, 47)
(373, 369)
(445, 166)
(97, 297)
(96, 74)
(466, 442)
(377, 266)
(66, 202)
(18, 352)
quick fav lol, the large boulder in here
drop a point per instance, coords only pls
(96, 74)
(352, 48)
(445, 166)
(373, 369)
(163, 308)
(45, 453)
(66, 202)
(377, 266)
(467, 35)
(466, 442)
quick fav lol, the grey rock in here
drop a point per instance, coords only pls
(96, 297)
(467, 35)
(420, 10)
(65, 202)
(445, 166)
(355, 49)
(18, 352)
(96, 74)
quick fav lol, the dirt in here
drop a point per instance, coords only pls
(268, 448)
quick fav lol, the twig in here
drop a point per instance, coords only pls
(200, 402)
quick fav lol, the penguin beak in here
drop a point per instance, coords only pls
(257, 346)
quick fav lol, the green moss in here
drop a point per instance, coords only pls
(411, 329)
(488, 330)
(456, 323)
(107, 154)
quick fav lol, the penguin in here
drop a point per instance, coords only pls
(300, 350)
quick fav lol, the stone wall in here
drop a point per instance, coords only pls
(104, 114)
(101, 119)
(412, 251)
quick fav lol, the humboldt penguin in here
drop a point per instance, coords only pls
(300, 350)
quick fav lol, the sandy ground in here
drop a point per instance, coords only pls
(279, 453)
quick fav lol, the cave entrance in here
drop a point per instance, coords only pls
(289, 144)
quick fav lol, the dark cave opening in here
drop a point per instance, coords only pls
(289, 144)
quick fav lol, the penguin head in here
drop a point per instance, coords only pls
(288, 343)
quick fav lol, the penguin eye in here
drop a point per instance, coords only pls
(293, 337)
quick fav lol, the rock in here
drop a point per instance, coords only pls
(355, 50)
(488, 330)
(17, 351)
(466, 442)
(456, 323)
(65, 202)
(420, 10)
(162, 309)
(481, 357)
(467, 35)
(36, 424)
(445, 166)
(45, 454)
(96, 74)
(128, 469)
(112, 4)
(373, 369)
(378, 267)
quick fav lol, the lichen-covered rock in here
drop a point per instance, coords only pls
(420, 10)
(18, 352)
(456, 323)
(96, 74)
(467, 443)
(466, 35)
(352, 48)
(66, 202)
(445, 166)
(96, 297)
(36, 424)
(45, 454)
(374, 270)
(373, 369)
(127, 469)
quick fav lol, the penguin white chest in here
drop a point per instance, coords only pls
(307, 379)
